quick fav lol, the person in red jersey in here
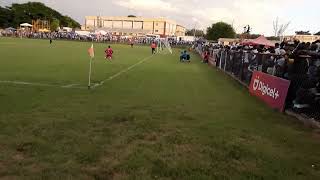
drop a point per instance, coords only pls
(206, 57)
(153, 47)
(109, 53)
(131, 43)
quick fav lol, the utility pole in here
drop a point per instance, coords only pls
(194, 31)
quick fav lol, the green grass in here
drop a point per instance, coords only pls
(160, 120)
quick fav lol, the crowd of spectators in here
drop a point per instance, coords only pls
(91, 37)
(297, 62)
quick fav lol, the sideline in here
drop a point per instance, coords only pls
(76, 86)
(69, 86)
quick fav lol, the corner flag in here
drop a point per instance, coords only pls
(91, 54)
(91, 51)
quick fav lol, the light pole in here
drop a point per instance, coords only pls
(194, 27)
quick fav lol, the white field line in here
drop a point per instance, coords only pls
(71, 86)
(121, 72)
(76, 86)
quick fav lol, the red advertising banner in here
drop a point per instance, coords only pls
(272, 90)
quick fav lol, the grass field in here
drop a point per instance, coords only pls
(159, 120)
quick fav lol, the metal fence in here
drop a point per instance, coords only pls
(241, 64)
(303, 72)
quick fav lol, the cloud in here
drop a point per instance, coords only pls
(146, 5)
(259, 14)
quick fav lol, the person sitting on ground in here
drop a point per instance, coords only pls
(187, 56)
(184, 57)
(181, 56)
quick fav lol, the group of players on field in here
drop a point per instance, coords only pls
(184, 57)
(109, 50)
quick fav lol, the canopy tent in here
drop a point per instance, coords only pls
(10, 29)
(83, 33)
(259, 41)
(100, 32)
(44, 30)
(25, 25)
(67, 29)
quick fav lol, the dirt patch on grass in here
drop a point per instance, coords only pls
(123, 118)
(186, 117)
(188, 152)
(108, 167)
(246, 166)
(2, 168)
(151, 137)
(18, 157)
(117, 176)
(176, 136)
(96, 173)
(316, 134)
(35, 168)
(103, 173)
(185, 148)
(24, 147)
(9, 178)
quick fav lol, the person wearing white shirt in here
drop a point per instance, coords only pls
(277, 50)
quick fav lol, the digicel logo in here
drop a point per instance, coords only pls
(265, 89)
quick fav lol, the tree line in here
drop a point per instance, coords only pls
(14, 15)
(214, 32)
(224, 30)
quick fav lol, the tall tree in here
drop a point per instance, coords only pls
(318, 33)
(26, 12)
(220, 30)
(5, 17)
(54, 24)
(69, 22)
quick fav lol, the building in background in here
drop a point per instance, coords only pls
(228, 41)
(302, 38)
(180, 31)
(134, 25)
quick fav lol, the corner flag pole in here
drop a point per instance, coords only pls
(91, 53)
(90, 70)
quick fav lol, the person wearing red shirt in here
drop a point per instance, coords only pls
(109, 53)
(206, 57)
(153, 47)
(131, 43)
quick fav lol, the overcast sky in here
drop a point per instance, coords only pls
(259, 14)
